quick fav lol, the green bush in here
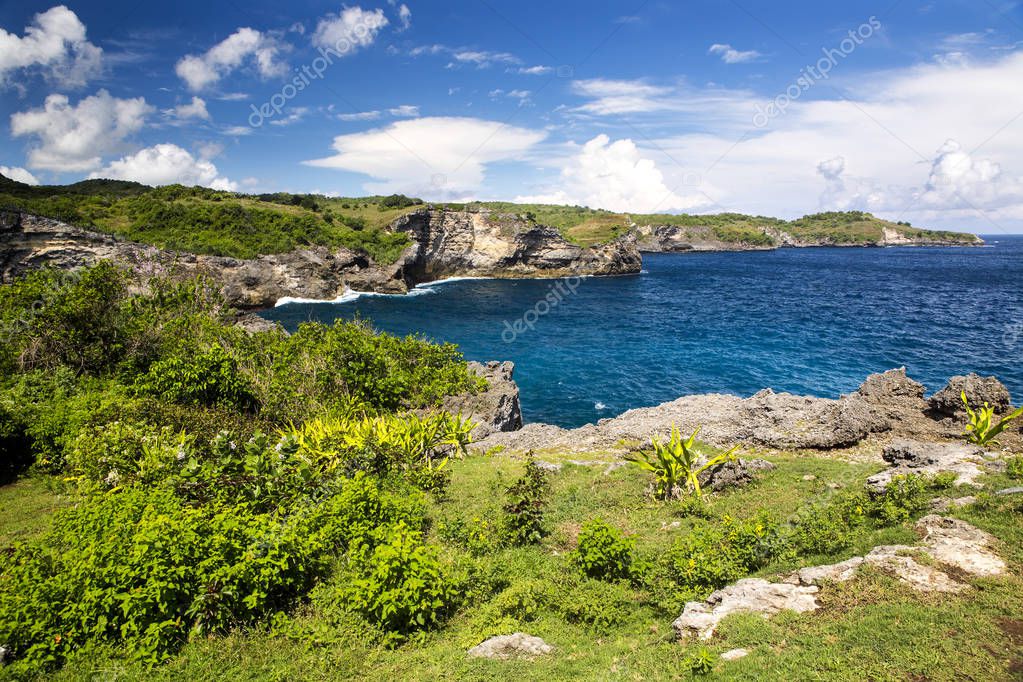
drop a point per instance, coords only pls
(595, 603)
(604, 552)
(399, 583)
(122, 453)
(523, 600)
(713, 555)
(208, 379)
(15, 454)
(905, 497)
(822, 529)
(527, 498)
(1014, 468)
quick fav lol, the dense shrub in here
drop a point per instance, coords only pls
(143, 571)
(711, 556)
(527, 498)
(400, 583)
(524, 600)
(123, 453)
(905, 497)
(1014, 468)
(208, 379)
(604, 552)
(831, 527)
(595, 603)
(15, 455)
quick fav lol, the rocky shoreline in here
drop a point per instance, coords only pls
(443, 244)
(887, 406)
(685, 239)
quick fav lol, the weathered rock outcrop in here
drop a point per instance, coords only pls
(444, 244)
(506, 647)
(927, 459)
(494, 410)
(888, 404)
(772, 234)
(948, 402)
(948, 542)
(486, 244)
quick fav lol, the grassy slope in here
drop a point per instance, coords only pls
(871, 628)
(224, 223)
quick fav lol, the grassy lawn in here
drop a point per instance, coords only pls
(869, 628)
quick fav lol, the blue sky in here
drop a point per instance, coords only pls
(911, 109)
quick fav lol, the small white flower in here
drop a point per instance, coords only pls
(113, 478)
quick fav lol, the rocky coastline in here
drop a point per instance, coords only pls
(444, 244)
(682, 239)
(886, 408)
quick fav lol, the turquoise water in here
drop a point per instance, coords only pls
(810, 321)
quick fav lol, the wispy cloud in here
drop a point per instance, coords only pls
(730, 55)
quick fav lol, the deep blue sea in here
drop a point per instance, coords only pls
(810, 321)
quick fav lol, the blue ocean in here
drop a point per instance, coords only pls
(810, 321)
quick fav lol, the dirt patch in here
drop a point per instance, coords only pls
(1012, 628)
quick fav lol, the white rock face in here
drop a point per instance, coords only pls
(947, 541)
(751, 595)
(734, 654)
(957, 543)
(927, 459)
(506, 647)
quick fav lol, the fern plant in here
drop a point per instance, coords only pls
(980, 431)
(676, 464)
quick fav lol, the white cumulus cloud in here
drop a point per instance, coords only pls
(201, 71)
(19, 174)
(729, 55)
(166, 164)
(75, 138)
(350, 30)
(617, 177)
(55, 42)
(194, 109)
(429, 156)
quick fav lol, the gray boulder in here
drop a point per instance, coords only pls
(495, 409)
(734, 474)
(948, 402)
(893, 393)
(927, 459)
(507, 647)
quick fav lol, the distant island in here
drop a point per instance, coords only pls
(266, 247)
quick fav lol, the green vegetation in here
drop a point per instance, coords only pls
(677, 465)
(201, 220)
(980, 430)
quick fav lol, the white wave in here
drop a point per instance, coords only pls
(599, 406)
(351, 295)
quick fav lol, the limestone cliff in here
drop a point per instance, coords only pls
(444, 244)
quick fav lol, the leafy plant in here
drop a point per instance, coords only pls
(604, 552)
(979, 430)
(676, 464)
(700, 662)
(527, 498)
(400, 583)
(208, 379)
(904, 497)
(1014, 468)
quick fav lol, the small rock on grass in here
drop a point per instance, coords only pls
(506, 647)
(734, 654)
(1018, 490)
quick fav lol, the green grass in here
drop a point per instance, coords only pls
(870, 628)
(25, 508)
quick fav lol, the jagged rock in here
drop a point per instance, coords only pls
(948, 402)
(777, 420)
(734, 474)
(734, 655)
(486, 243)
(943, 504)
(949, 542)
(254, 324)
(495, 409)
(833, 573)
(917, 457)
(444, 243)
(506, 647)
(957, 543)
(898, 560)
(750, 595)
(1018, 490)
(893, 393)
